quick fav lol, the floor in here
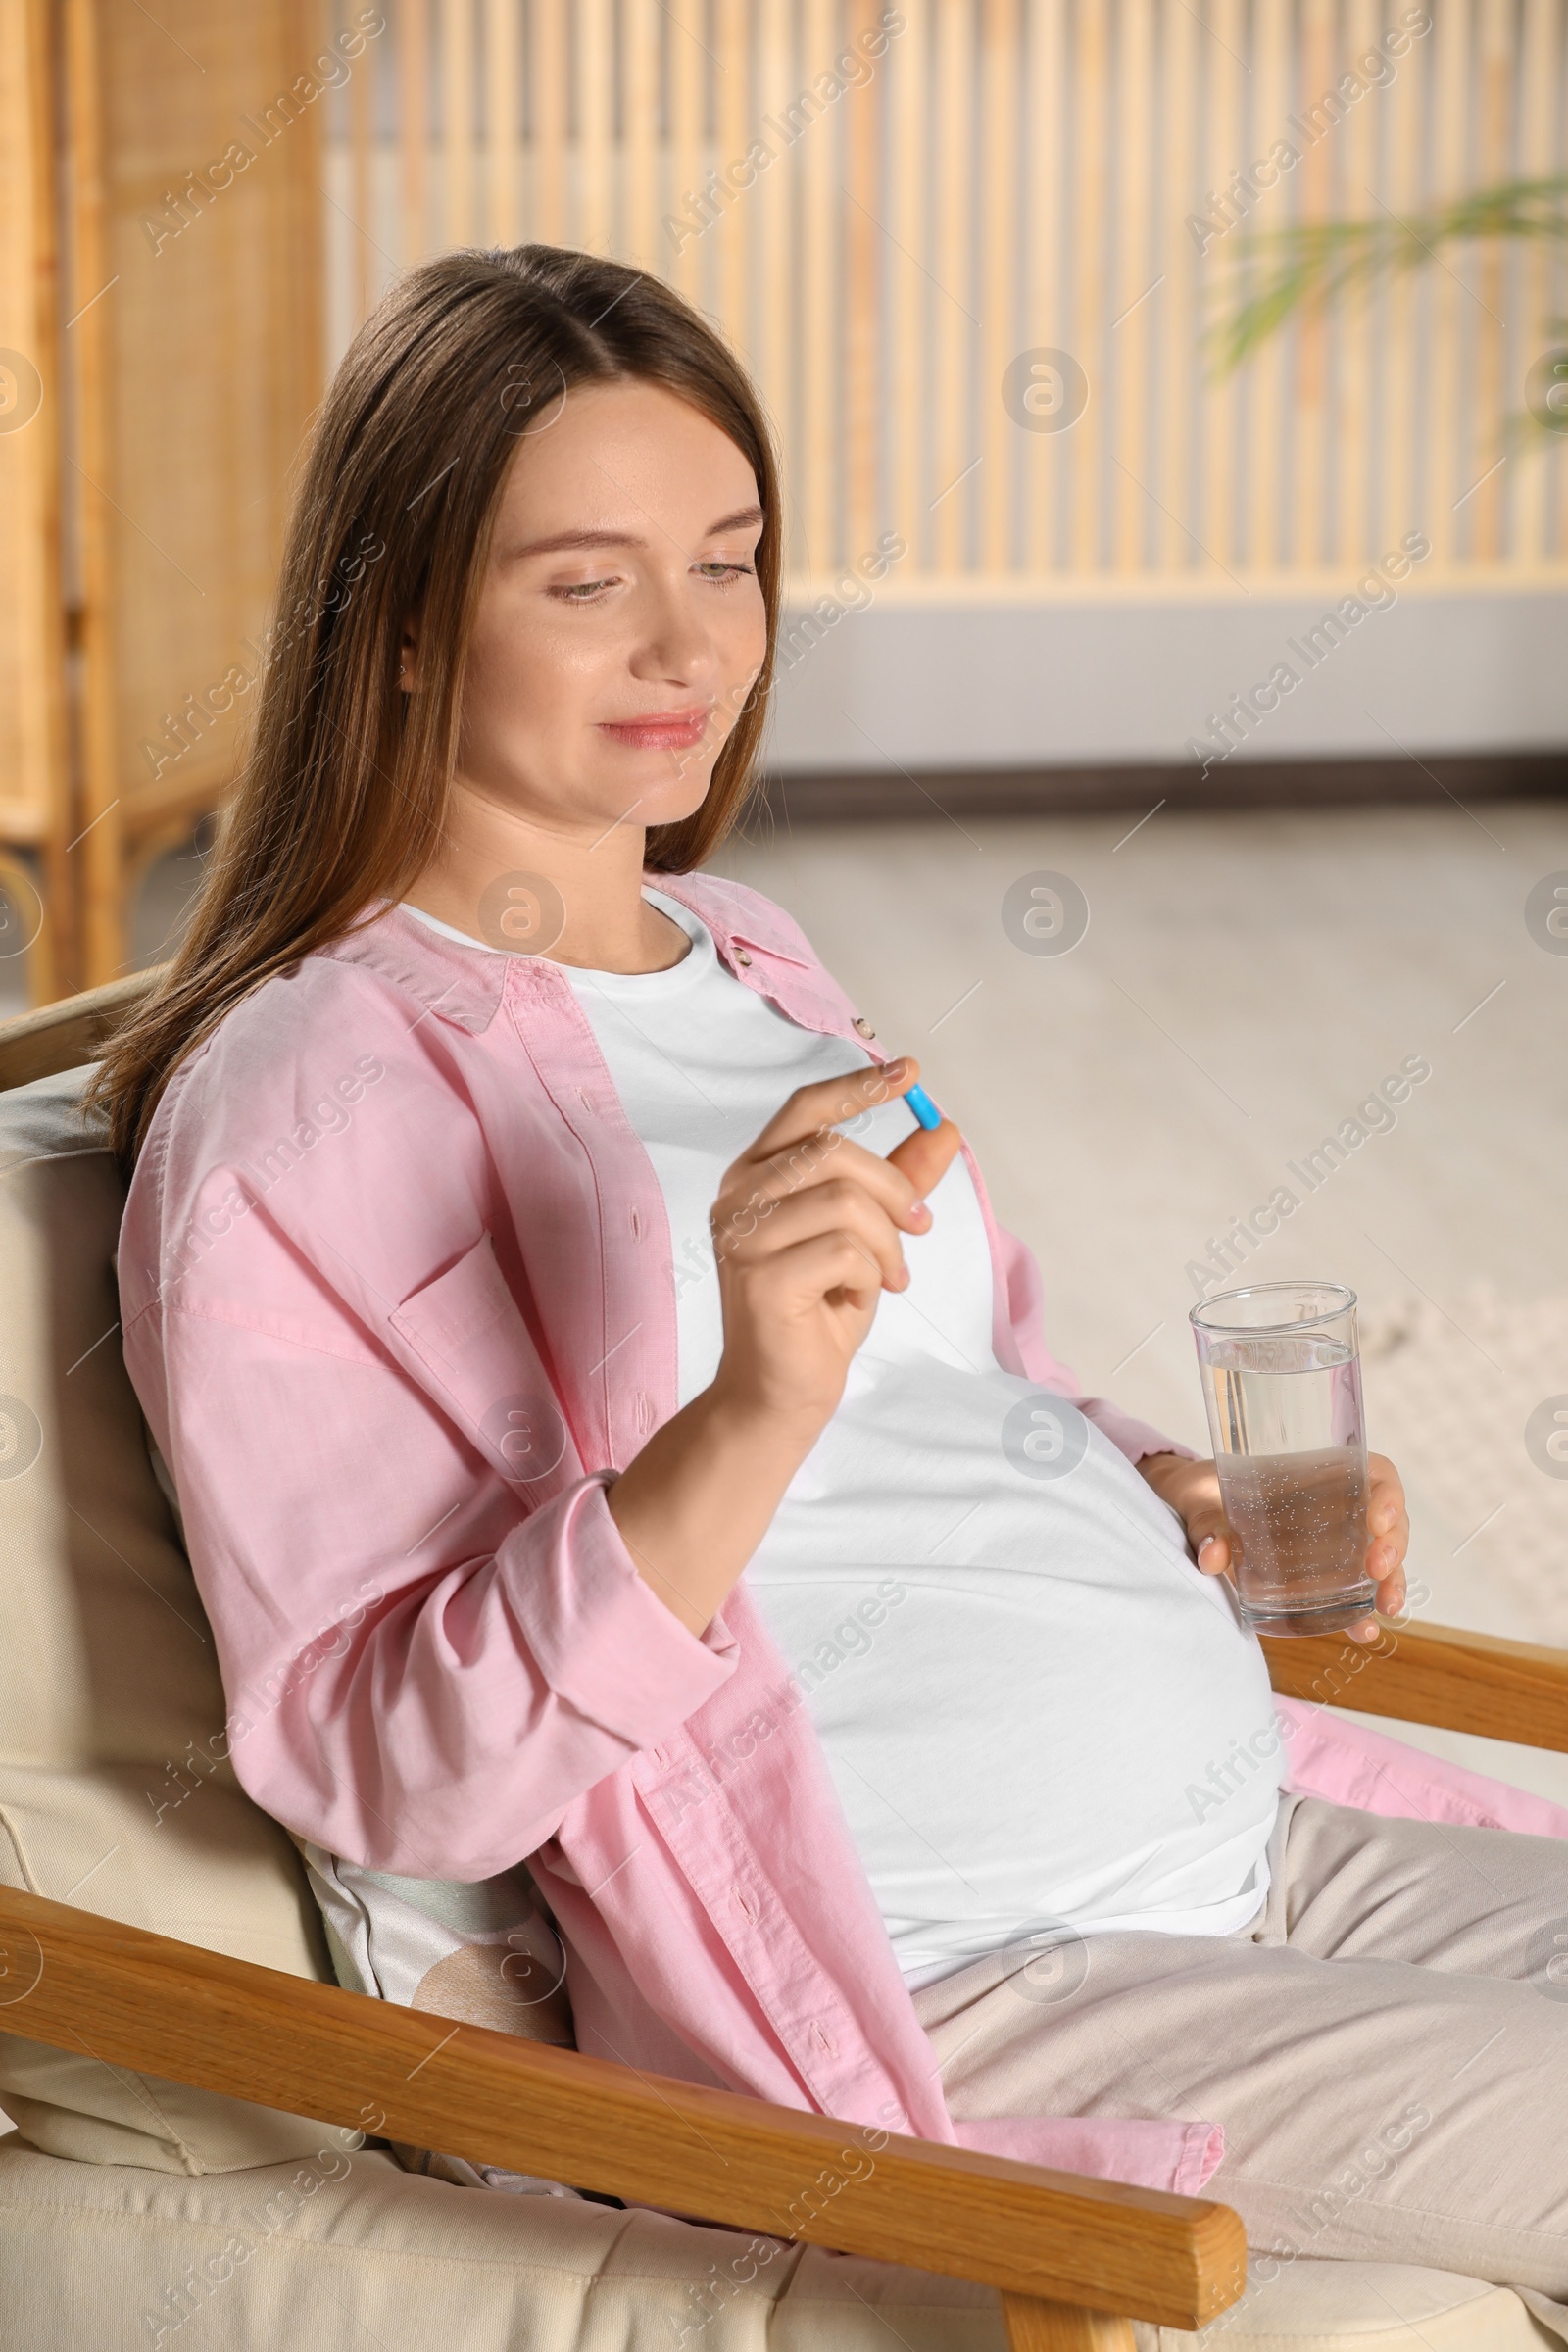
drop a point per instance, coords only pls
(1244, 981)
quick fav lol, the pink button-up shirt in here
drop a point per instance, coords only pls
(398, 1301)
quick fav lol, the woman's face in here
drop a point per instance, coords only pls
(620, 620)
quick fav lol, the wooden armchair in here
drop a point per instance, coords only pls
(1075, 2260)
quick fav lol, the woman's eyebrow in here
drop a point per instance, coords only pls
(559, 541)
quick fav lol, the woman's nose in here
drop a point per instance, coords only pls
(676, 641)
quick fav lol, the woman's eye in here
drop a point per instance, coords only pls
(586, 592)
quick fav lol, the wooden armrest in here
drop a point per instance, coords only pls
(63, 1036)
(1434, 1674)
(80, 1982)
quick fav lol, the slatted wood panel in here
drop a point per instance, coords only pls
(957, 181)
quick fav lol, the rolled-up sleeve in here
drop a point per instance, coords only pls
(1132, 1436)
(600, 1635)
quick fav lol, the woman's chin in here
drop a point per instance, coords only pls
(653, 799)
(639, 791)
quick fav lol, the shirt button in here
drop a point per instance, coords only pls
(864, 1025)
(741, 956)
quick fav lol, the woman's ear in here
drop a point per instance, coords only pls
(409, 658)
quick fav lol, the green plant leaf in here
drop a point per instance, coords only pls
(1312, 266)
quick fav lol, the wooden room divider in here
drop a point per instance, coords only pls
(160, 295)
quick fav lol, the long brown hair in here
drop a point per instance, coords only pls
(343, 793)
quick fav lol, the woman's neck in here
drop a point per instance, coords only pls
(566, 895)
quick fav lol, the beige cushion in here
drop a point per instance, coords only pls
(1364, 2307)
(110, 1794)
(327, 2254)
(333, 2252)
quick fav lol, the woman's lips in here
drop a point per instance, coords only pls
(680, 731)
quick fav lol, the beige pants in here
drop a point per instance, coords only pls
(1386, 2046)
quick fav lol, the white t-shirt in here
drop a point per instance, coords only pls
(1036, 1711)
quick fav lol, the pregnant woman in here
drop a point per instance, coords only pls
(613, 1436)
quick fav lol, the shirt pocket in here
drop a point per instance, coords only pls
(470, 1336)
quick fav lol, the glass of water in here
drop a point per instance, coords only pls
(1282, 1381)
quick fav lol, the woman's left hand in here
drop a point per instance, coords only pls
(1191, 1488)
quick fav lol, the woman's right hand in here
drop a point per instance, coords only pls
(806, 1234)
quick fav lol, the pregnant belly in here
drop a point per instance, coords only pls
(1033, 1706)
